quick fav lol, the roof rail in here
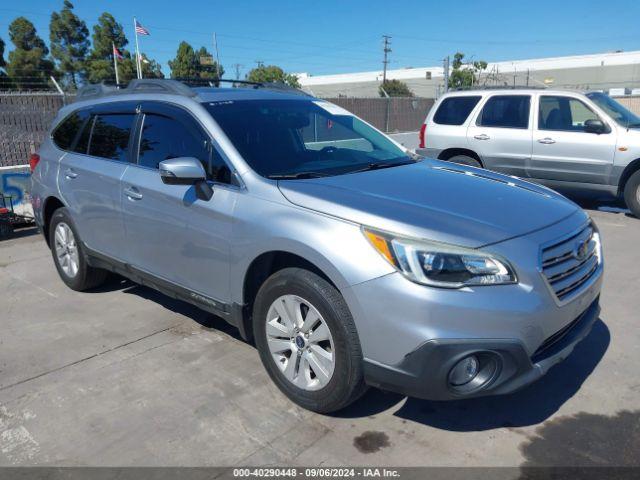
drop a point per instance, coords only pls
(279, 86)
(145, 85)
(159, 85)
(173, 86)
(95, 90)
(499, 87)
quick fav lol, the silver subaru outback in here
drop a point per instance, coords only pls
(345, 258)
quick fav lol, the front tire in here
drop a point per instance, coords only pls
(632, 194)
(465, 160)
(307, 340)
(69, 256)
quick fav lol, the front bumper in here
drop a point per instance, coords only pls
(424, 372)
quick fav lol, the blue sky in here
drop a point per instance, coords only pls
(335, 36)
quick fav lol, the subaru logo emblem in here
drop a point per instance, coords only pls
(581, 250)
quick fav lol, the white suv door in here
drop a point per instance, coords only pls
(562, 148)
(501, 133)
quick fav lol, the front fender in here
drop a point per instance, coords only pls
(335, 246)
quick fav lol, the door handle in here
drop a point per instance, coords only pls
(70, 174)
(547, 141)
(133, 193)
(482, 136)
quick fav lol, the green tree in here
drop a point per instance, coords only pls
(29, 66)
(2, 62)
(186, 63)
(69, 40)
(192, 64)
(150, 68)
(107, 33)
(272, 73)
(207, 66)
(4, 80)
(394, 88)
(465, 75)
(99, 66)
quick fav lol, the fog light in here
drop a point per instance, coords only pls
(464, 371)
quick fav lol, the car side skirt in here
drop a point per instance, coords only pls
(230, 312)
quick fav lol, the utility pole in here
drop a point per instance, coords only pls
(385, 62)
(446, 73)
(259, 63)
(238, 66)
(215, 46)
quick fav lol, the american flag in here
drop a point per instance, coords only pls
(140, 30)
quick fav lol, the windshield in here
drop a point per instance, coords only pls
(303, 138)
(617, 112)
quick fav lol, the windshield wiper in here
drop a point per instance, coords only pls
(381, 165)
(297, 175)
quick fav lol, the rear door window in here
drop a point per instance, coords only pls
(109, 137)
(455, 110)
(506, 111)
(66, 132)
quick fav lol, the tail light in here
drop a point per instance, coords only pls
(33, 161)
(423, 131)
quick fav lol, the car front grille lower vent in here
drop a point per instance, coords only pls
(569, 264)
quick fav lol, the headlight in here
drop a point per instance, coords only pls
(439, 264)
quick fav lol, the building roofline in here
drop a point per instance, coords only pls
(509, 66)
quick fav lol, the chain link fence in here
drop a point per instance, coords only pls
(24, 120)
(393, 114)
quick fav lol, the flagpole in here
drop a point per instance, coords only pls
(115, 62)
(138, 67)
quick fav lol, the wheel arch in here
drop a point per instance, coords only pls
(50, 205)
(448, 153)
(262, 267)
(629, 170)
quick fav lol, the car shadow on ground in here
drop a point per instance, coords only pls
(530, 406)
(205, 319)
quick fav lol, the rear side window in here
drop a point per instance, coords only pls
(455, 110)
(506, 111)
(164, 138)
(109, 137)
(65, 133)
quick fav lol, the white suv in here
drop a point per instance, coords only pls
(570, 141)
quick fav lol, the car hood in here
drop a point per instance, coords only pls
(435, 200)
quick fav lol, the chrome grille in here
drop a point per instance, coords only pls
(570, 263)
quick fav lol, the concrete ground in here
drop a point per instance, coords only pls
(126, 376)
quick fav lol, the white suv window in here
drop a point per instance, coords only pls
(563, 113)
(506, 111)
(455, 110)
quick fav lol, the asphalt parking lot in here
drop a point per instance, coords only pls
(126, 376)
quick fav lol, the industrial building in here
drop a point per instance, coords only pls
(617, 73)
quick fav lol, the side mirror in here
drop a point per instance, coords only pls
(182, 171)
(594, 125)
(186, 171)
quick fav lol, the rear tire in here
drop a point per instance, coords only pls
(632, 194)
(69, 256)
(465, 160)
(339, 379)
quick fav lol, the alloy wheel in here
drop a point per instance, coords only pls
(300, 342)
